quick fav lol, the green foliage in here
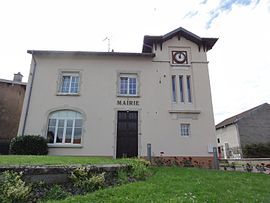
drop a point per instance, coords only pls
(87, 181)
(175, 184)
(260, 150)
(13, 188)
(29, 145)
(139, 168)
(56, 193)
(57, 160)
(122, 177)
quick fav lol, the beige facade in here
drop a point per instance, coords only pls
(160, 107)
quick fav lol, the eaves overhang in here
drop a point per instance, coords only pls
(203, 43)
(89, 53)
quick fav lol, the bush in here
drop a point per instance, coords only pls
(13, 188)
(4, 147)
(56, 193)
(139, 168)
(122, 177)
(29, 145)
(260, 150)
(86, 181)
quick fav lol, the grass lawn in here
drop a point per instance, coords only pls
(53, 160)
(187, 185)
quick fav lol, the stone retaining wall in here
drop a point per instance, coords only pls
(59, 174)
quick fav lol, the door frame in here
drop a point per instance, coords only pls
(115, 129)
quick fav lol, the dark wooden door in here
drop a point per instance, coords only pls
(127, 134)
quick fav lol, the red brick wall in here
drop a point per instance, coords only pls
(199, 162)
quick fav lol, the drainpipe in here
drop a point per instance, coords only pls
(30, 92)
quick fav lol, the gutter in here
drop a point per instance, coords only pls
(30, 93)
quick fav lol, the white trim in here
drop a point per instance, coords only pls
(61, 145)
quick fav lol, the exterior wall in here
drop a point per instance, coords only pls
(11, 102)
(229, 135)
(159, 118)
(255, 128)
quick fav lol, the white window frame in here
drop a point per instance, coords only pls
(55, 143)
(71, 75)
(128, 76)
(183, 131)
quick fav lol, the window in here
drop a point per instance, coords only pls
(189, 88)
(173, 89)
(65, 127)
(181, 88)
(218, 140)
(128, 85)
(69, 83)
(185, 129)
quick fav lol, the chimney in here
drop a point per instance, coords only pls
(18, 77)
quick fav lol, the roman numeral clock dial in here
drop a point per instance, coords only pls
(179, 57)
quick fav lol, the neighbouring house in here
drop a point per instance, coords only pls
(114, 103)
(249, 127)
(11, 102)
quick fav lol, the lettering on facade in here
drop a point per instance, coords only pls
(127, 103)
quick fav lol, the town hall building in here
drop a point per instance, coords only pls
(114, 104)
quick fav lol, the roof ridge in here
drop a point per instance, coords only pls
(237, 117)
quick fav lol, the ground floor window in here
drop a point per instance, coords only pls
(185, 129)
(64, 127)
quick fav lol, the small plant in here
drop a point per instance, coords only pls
(87, 182)
(56, 193)
(13, 188)
(29, 145)
(139, 168)
(233, 166)
(187, 162)
(260, 167)
(248, 167)
(122, 177)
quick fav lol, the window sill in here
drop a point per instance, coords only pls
(180, 66)
(68, 94)
(64, 145)
(185, 111)
(131, 96)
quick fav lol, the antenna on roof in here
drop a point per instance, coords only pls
(109, 42)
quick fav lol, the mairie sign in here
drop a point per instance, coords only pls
(128, 102)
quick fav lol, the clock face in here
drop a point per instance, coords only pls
(179, 57)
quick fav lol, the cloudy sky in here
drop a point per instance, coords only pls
(239, 62)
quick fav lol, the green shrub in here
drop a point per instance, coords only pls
(56, 193)
(260, 150)
(29, 145)
(122, 177)
(13, 188)
(139, 168)
(86, 181)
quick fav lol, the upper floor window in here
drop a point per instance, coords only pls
(69, 83)
(181, 88)
(173, 88)
(64, 127)
(128, 84)
(189, 88)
